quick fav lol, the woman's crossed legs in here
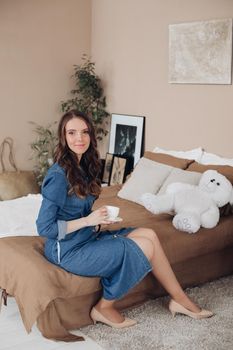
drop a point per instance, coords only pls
(149, 243)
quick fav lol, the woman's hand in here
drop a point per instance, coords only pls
(98, 216)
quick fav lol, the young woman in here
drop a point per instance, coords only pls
(121, 258)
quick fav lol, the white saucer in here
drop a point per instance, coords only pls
(117, 219)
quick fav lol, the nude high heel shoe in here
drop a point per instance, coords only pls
(98, 317)
(174, 307)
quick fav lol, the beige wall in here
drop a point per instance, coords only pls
(130, 47)
(40, 41)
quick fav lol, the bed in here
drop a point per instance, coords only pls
(58, 301)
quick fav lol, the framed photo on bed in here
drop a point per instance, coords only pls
(127, 136)
(107, 167)
(119, 170)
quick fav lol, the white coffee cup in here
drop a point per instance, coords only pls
(112, 212)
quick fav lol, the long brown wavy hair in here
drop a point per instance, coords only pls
(82, 176)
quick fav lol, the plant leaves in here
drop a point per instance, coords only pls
(88, 95)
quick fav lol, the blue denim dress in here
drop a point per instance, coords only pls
(110, 255)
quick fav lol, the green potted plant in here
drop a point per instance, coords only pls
(88, 96)
(43, 149)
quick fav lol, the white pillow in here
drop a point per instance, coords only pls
(195, 153)
(18, 216)
(214, 159)
(148, 176)
(179, 175)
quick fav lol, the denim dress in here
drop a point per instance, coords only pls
(110, 255)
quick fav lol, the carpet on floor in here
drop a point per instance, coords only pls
(158, 330)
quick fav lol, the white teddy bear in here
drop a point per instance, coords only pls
(194, 206)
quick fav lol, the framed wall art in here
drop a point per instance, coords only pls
(127, 136)
(119, 171)
(107, 168)
(201, 52)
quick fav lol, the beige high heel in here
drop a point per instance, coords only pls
(98, 317)
(174, 307)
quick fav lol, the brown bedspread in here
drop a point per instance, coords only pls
(186, 245)
(37, 284)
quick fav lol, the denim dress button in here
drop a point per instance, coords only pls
(115, 236)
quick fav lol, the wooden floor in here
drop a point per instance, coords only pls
(13, 335)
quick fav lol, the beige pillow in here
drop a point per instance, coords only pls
(178, 175)
(148, 176)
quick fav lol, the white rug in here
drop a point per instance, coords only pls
(13, 335)
(157, 329)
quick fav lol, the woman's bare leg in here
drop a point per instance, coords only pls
(148, 241)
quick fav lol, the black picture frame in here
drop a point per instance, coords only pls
(127, 136)
(119, 170)
(107, 168)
